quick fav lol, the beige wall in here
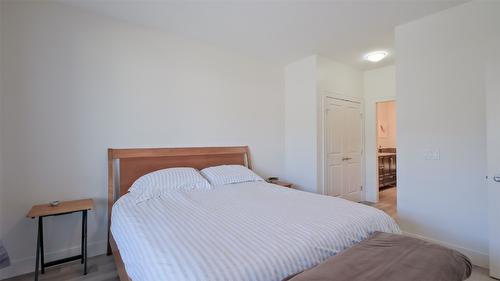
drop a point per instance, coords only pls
(386, 117)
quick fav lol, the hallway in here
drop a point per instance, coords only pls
(388, 201)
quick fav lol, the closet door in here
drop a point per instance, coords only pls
(343, 142)
(334, 127)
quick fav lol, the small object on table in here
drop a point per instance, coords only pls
(61, 208)
(281, 183)
(54, 203)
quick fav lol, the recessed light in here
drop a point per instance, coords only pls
(376, 56)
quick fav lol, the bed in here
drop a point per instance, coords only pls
(245, 231)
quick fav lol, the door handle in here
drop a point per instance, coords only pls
(346, 158)
(496, 178)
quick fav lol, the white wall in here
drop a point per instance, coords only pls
(2, 211)
(77, 83)
(441, 107)
(307, 81)
(301, 123)
(492, 89)
(378, 85)
(338, 78)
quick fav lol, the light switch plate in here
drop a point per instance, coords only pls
(432, 154)
(496, 178)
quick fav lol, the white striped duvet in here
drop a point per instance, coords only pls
(247, 231)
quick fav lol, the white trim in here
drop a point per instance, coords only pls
(477, 258)
(382, 99)
(321, 146)
(323, 95)
(335, 95)
(27, 265)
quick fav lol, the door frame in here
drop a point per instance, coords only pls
(324, 96)
(373, 163)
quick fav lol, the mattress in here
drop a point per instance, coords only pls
(248, 231)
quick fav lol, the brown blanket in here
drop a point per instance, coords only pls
(391, 257)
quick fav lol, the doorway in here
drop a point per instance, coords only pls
(343, 142)
(387, 156)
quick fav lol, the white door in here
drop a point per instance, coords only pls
(343, 148)
(493, 154)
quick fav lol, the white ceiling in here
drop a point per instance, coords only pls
(279, 31)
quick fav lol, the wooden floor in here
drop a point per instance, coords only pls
(388, 201)
(100, 268)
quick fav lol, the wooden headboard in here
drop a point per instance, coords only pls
(136, 162)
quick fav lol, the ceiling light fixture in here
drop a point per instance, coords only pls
(376, 56)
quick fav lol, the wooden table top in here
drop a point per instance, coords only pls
(63, 207)
(281, 183)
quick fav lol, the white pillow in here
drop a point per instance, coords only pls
(168, 180)
(227, 174)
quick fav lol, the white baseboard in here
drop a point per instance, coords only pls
(27, 265)
(477, 258)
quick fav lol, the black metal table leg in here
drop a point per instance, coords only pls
(38, 249)
(83, 237)
(42, 252)
(84, 231)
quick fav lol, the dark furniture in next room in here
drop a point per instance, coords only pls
(387, 167)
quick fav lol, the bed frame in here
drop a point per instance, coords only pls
(127, 165)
